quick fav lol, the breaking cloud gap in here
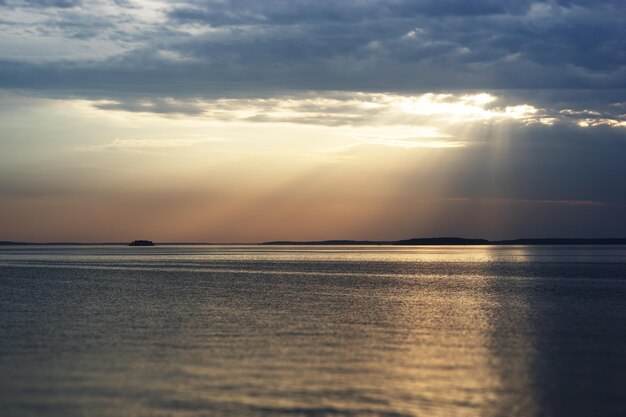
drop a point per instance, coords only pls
(362, 109)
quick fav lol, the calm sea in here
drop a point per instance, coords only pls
(313, 331)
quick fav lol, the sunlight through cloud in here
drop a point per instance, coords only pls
(341, 108)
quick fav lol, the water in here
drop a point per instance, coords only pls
(313, 331)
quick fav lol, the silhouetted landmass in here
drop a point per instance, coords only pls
(6, 242)
(141, 243)
(561, 241)
(462, 241)
(442, 241)
(414, 241)
(327, 242)
(432, 241)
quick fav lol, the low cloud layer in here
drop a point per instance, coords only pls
(372, 109)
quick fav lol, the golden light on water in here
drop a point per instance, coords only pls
(443, 344)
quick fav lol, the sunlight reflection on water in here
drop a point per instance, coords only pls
(351, 331)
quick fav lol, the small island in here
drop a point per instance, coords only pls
(141, 243)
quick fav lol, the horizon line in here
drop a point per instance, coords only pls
(420, 241)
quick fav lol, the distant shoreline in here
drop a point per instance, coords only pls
(464, 242)
(437, 241)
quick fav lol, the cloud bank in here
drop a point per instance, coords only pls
(227, 48)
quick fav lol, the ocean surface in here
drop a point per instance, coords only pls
(313, 331)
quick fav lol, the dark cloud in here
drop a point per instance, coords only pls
(78, 26)
(276, 12)
(209, 49)
(63, 4)
(156, 106)
(482, 44)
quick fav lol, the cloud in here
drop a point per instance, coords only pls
(409, 142)
(138, 144)
(63, 4)
(250, 12)
(342, 108)
(78, 25)
(242, 47)
(158, 106)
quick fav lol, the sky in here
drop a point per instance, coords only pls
(259, 120)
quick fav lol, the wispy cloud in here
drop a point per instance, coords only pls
(138, 144)
(341, 108)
